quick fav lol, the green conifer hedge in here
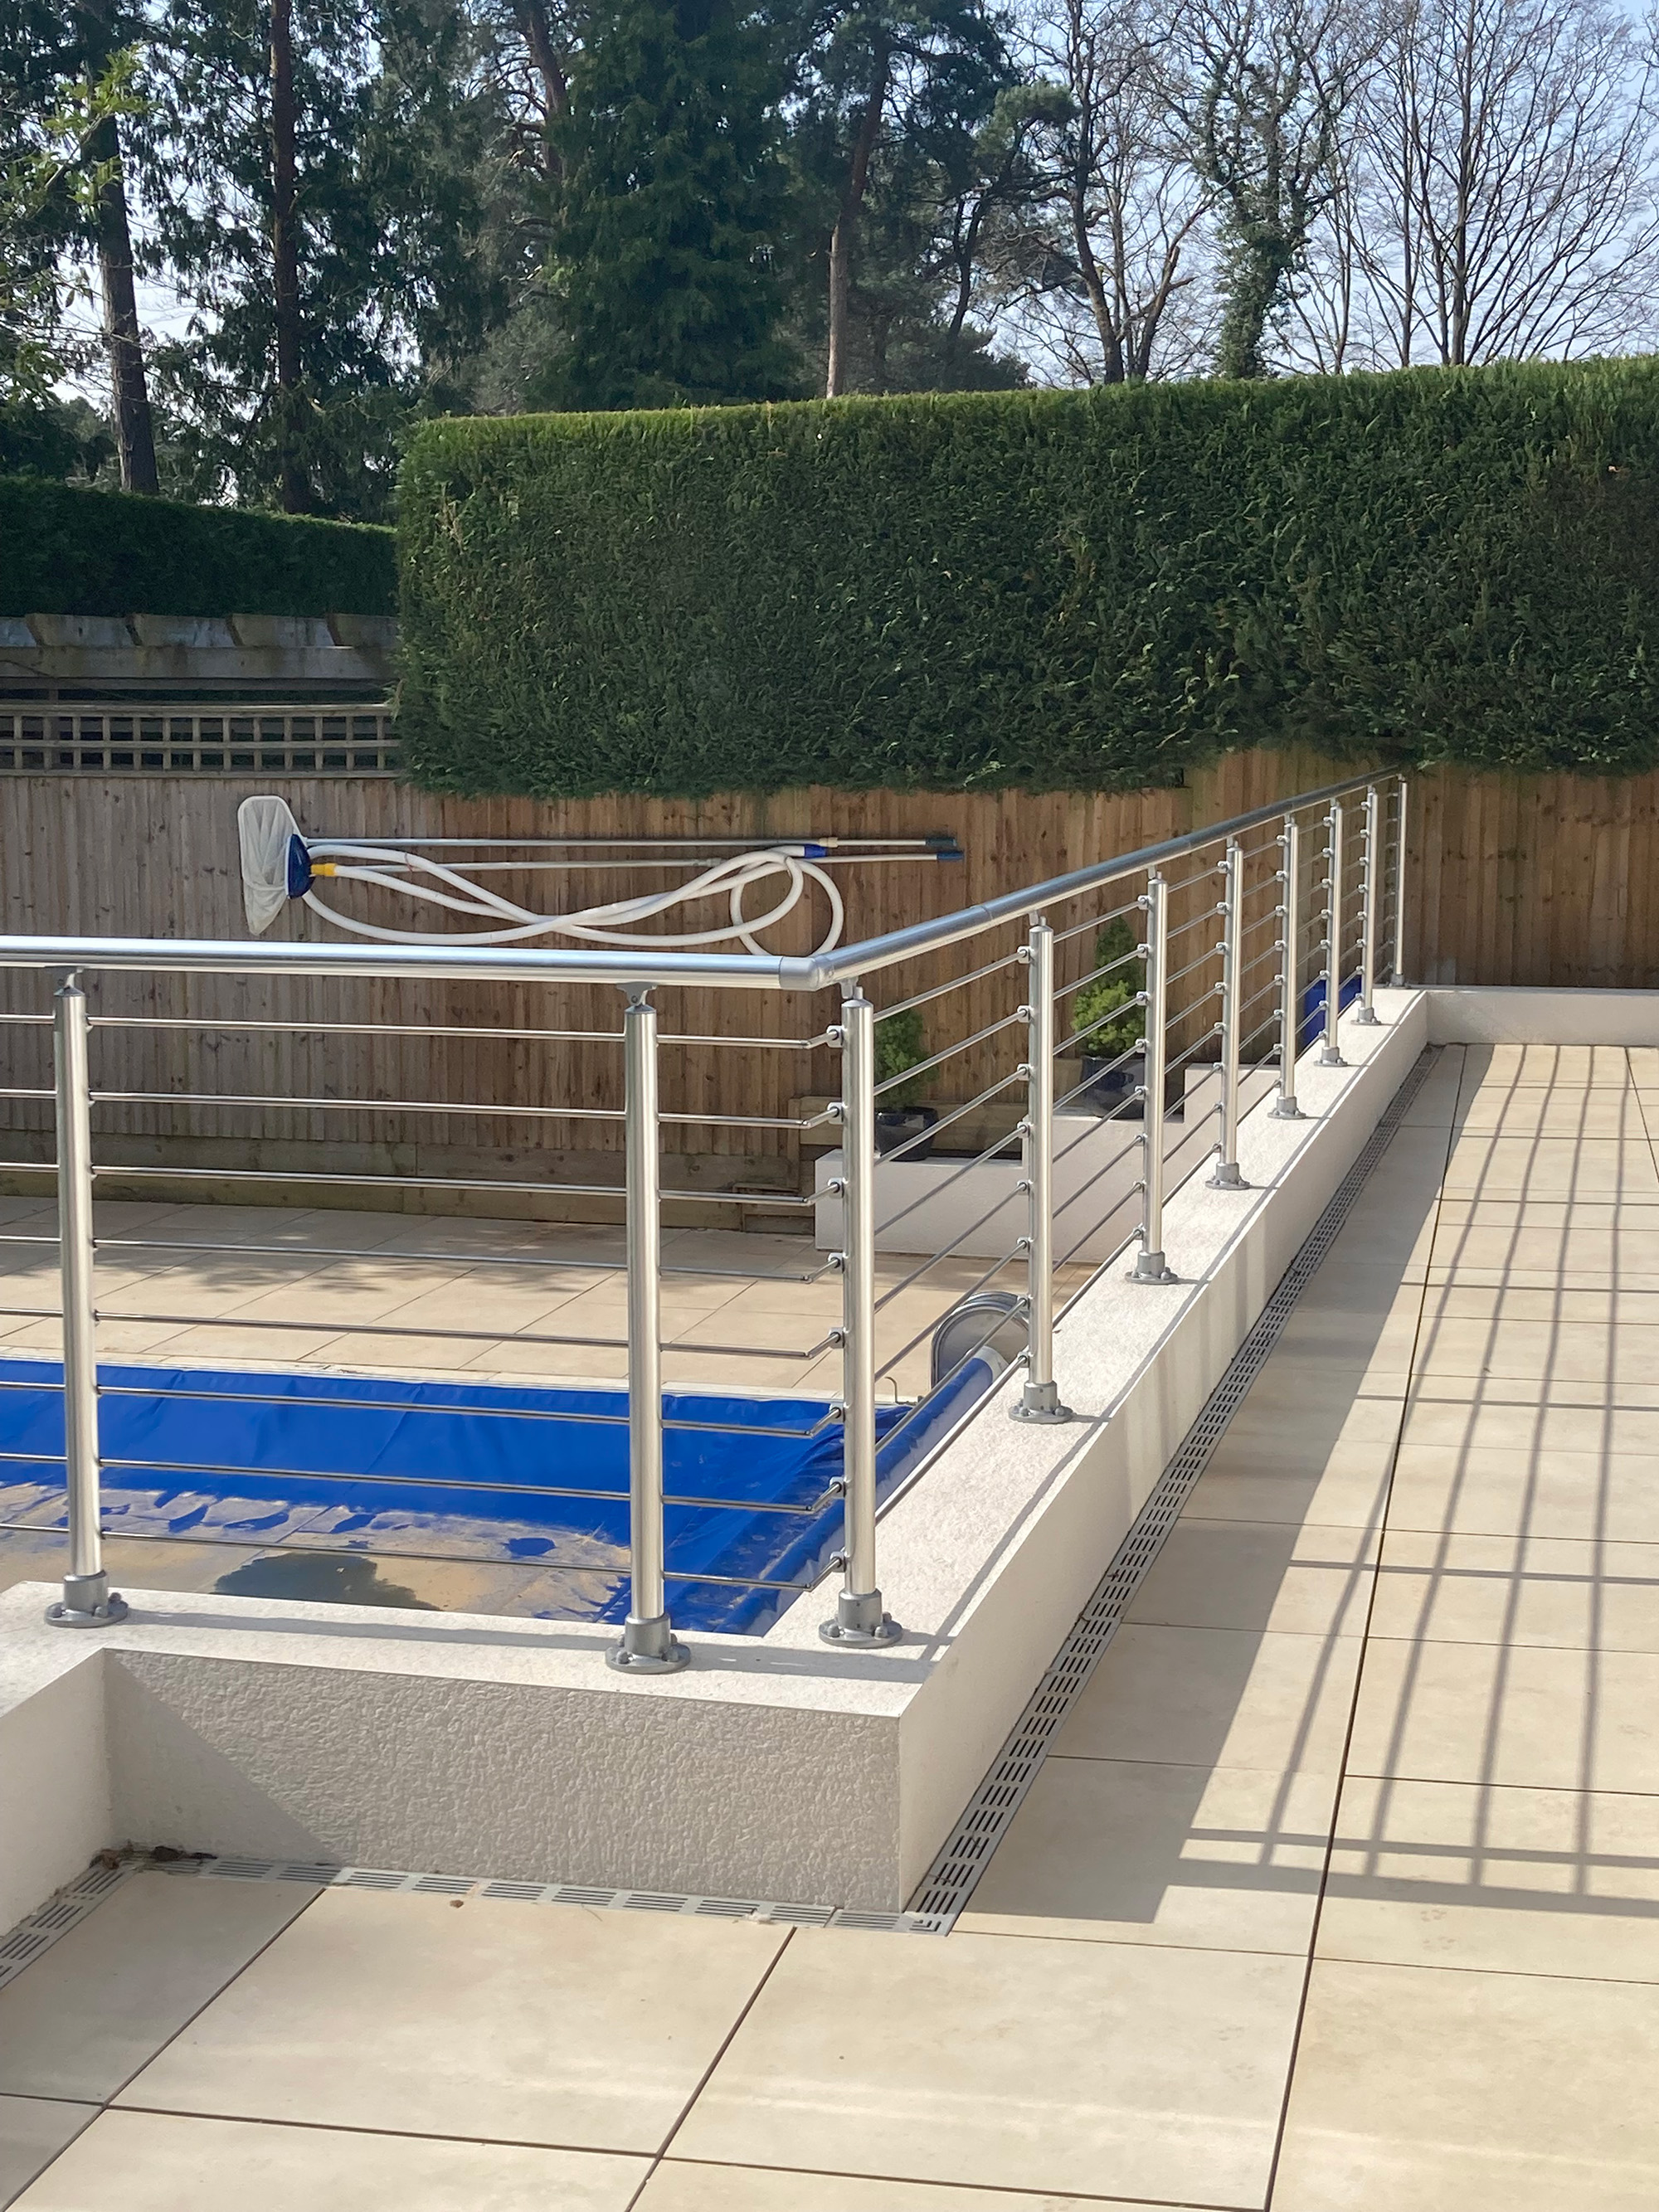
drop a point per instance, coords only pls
(64, 551)
(1091, 589)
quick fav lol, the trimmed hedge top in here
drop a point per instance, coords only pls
(68, 551)
(1091, 589)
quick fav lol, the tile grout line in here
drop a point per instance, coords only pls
(230, 1980)
(1300, 2021)
(708, 2073)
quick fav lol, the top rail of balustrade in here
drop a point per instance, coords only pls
(638, 965)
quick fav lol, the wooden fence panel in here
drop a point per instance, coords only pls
(1510, 880)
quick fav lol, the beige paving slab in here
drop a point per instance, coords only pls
(1113, 1851)
(1505, 1490)
(88, 2012)
(1272, 1432)
(683, 2185)
(1372, 1343)
(1527, 1715)
(1326, 1389)
(1540, 1882)
(32, 2130)
(432, 1357)
(296, 1228)
(1035, 2065)
(1609, 1304)
(1556, 1350)
(1550, 1168)
(1574, 1594)
(1578, 1422)
(1614, 1246)
(1349, 1492)
(232, 1344)
(1444, 2092)
(1436, 1098)
(1634, 1215)
(166, 2162)
(1560, 1067)
(1311, 1580)
(1599, 1111)
(1539, 1389)
(1216, 1697)
(586, 2029)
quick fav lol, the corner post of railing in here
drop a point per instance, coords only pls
(1371, 908)
(1151, 1265)
(1039, 1400)
(88, 1600)
(1330, 1055)
(1227, 1175)
(859, 1616)
(1399, 973)
(648, 1645)
(1289, 1011)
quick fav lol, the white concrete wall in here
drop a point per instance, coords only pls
(1519, 1015)
(55, 1807)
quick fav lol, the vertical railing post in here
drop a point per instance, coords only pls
(1371, 908)
(1151, 1265)
(859, 1618)
(648, 1645)
(1040, 1399)
(1226, 1175)
(88, 1600)
(1399, 974)
(1330, 1055)
(1290, 969)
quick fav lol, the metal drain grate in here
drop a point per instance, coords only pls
(548, 1892)
(952, 1879)
(22, 1945)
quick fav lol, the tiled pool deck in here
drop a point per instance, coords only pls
(1338, 1893)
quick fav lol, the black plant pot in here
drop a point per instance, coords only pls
(897, 1125)
(1107, 1085)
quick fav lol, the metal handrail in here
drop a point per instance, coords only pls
(1349, 905)
(747, 971)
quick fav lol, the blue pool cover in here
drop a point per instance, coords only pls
(449, 1470)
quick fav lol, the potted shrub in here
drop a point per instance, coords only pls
(1106, 1022)
(900, 1114)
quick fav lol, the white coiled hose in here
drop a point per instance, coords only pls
(273, 873)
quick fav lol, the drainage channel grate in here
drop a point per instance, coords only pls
(951, 1880)
(958, 1866)
(768, 1911)
(22, 1945)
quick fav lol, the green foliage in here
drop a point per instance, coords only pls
(392, 284)
(899, 1047)
(52, 437)
(674, 193)
(1094, 589)
(1093, 1031)
(64, 550)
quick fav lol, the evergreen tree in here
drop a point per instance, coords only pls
(674, 196)
(310, 169)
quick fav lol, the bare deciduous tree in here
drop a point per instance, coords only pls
(1115, 246)
(1267, 90)
(1513, 207)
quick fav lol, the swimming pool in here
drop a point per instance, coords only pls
(375, 1465)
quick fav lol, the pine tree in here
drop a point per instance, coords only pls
(674, 196)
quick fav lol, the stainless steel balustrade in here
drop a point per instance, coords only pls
(1216, 983)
